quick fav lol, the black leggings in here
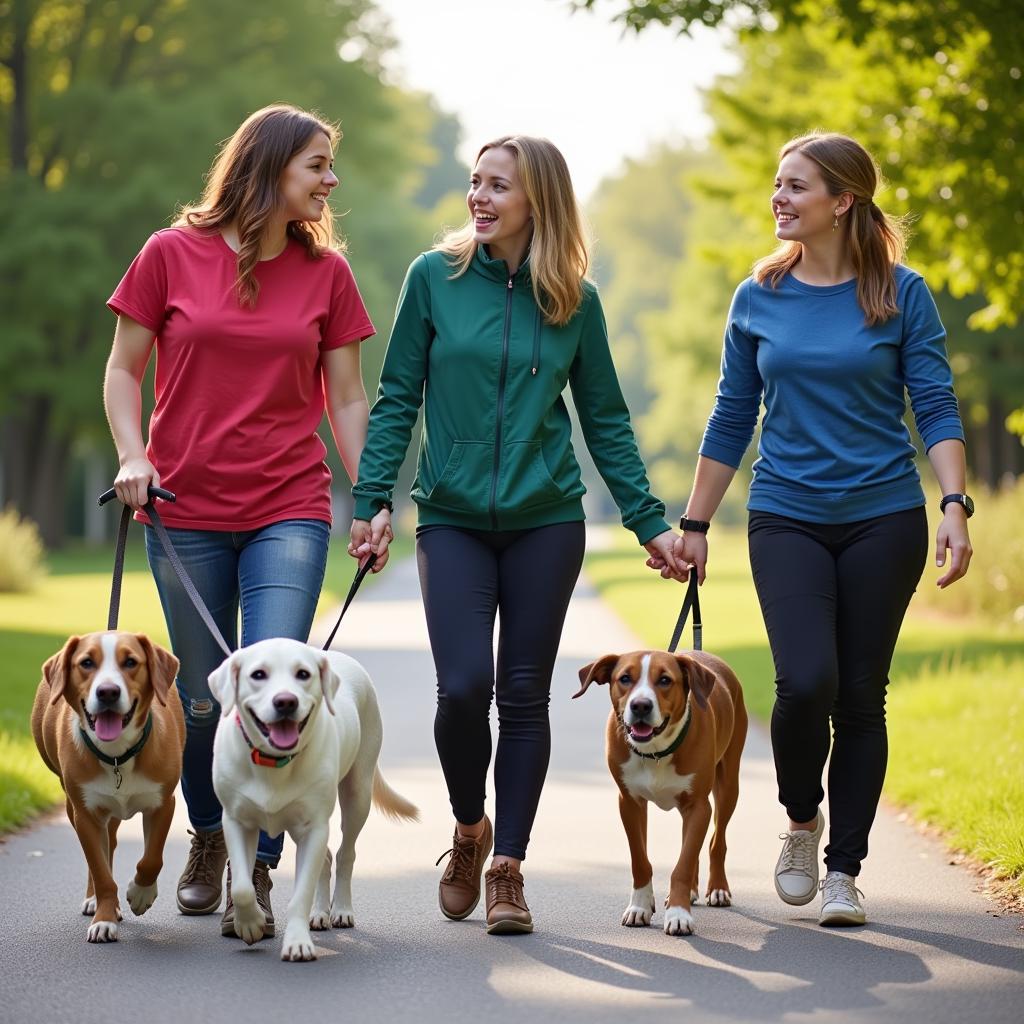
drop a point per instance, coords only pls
(833, 599)
(467, 576)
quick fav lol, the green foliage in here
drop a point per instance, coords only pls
(22, 555)
(111, 114)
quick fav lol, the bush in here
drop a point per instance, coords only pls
(22, 555)
(994, 586)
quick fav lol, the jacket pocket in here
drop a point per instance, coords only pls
(525, 480)
(464, 483)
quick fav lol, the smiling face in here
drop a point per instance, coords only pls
(307, 180)
(804, 209)
(502, 219)
(277, 685)
(110, 679)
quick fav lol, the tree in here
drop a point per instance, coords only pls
(111, 113)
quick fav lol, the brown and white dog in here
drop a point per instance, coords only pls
(116, 751)
(675, 735)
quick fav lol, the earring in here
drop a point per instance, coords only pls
(835, 219)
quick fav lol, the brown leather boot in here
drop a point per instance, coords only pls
(507, 912)
(199, 888)
(459, 890)
(263, 884)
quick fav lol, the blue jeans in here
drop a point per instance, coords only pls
(274, 574)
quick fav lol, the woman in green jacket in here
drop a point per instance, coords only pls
(491, 325)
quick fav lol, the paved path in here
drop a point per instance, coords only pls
(934, 951)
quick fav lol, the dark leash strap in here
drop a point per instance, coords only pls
(360, 576)
(161, 531)
(691, 600)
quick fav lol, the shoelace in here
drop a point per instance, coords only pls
(798, 853)
(460, 867)
(203, 847)
(506, 888)
(839, 889)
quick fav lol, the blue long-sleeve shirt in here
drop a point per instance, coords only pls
(834, 447)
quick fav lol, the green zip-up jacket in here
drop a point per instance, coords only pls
(496, 450)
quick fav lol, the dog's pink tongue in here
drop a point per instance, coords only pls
(284, 734)
(641, 730)
(108, 725)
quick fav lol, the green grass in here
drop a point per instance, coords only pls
(956, 699)
(74, 598)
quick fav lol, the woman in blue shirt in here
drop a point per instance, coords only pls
(829, 331)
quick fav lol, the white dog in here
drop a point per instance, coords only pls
(300, 728)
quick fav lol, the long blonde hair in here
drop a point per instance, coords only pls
(877, 240)
(242, 187)
(559, 250)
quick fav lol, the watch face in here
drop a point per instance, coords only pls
(968, 505)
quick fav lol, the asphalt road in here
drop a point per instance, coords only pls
(934, 951)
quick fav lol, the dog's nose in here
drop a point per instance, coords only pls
(641, 706)
(285, 704)
(108, 693)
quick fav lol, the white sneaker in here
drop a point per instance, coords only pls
(796, 871)
(839, 903)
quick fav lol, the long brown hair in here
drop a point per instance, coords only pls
(242, 187)
(877, 240)
(559, 250)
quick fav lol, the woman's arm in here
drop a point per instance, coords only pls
(347, 407)
(122, 399)
(710, 483)
(949, 461)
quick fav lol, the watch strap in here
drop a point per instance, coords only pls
(694, 525)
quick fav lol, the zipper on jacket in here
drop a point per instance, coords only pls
(535, 362)
(501, 405)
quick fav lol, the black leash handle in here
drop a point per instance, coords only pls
(691, 600)
(161, 531)
(360, 576)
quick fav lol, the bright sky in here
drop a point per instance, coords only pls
(536, 67)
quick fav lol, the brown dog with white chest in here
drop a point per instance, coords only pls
(108, 722)
(675, 735)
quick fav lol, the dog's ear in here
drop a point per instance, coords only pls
(57, 668)
(599, 672)
(701, 680)
(329, 681)
(161, 665)
(223, 683)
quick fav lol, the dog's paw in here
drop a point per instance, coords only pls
(249, 924)
(102, 931)
(320, 920)
(343, 918)
(678, 921)
(298, 945)
(640, 909)
(719, 898)
(694, 897)
(140, 897)
(89, 906)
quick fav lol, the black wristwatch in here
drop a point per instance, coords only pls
(694, 525)
(960, 499)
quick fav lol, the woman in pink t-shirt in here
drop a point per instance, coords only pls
(252, 311)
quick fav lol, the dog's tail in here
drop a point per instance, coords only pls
(390, 803)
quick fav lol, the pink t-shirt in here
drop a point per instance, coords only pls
(239, 390)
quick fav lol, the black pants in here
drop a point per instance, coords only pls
(833, 599)
(467, 576)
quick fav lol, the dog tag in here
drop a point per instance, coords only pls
(117, 775)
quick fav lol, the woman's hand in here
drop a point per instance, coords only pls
(692, 549)
(953, 536)
(133, 481)
(371, 537)
(663, 558)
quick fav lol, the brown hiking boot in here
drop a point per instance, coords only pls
(263, 884)
(199, 888)
(507, 912)
(459, 891)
